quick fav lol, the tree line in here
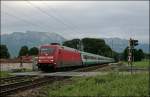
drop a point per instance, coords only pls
(137, 54)
(91, 45)
(24, 50)
(99, 47)
(4, 53)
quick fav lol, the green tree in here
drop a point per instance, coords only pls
(117, 56)
(74, 43)
(23, 51)
(91, 45)
(125, 54)
(97, 46)
(33, 51)
(140, 55)
(4, 53)
(137, 55)
(106, 51)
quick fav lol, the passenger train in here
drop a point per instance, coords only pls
(55, 56)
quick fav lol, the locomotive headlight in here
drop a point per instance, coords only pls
(52, 60)
(39, 60)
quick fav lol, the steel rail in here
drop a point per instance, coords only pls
(14, 87)
(7, 89)
(90, 68)
(13, 79)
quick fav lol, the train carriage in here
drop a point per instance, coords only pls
(90, 59)
(56, 56)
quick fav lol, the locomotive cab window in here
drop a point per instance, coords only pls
(47, 50)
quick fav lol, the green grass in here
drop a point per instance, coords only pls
(144, 63)
(4, 74)
(106, 85)
(141, 64)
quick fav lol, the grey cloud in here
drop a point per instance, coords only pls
(122, 19)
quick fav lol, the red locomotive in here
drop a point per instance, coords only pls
(55, 56)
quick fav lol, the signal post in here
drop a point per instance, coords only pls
(132, 43)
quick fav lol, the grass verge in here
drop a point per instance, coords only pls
(4, 74)
(141, 64)
(106, 85)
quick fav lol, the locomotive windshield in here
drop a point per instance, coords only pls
(47, 50)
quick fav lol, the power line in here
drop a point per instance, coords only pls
(39, 9)
(44, 12)
(55, 11)
(24, 20)
(81, 44)
(81, 47)
(49, 15)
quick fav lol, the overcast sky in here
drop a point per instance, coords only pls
(78, 19)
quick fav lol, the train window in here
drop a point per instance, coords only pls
(47, 50)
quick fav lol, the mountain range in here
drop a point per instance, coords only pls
(119, 45)
(16, 40)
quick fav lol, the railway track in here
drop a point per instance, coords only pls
(90, 68)
(19, 83)
(14, 79)
(10, 88)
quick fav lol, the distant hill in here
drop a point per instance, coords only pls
(119, 45)
(15, 40)
(31, 38)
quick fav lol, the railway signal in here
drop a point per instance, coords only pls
(135, 42)
(132, 43)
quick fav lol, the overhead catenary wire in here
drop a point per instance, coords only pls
(51, 16)
(70, 23)
(38, 24)
(24, 20)
(44, 12)
(58, 14)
